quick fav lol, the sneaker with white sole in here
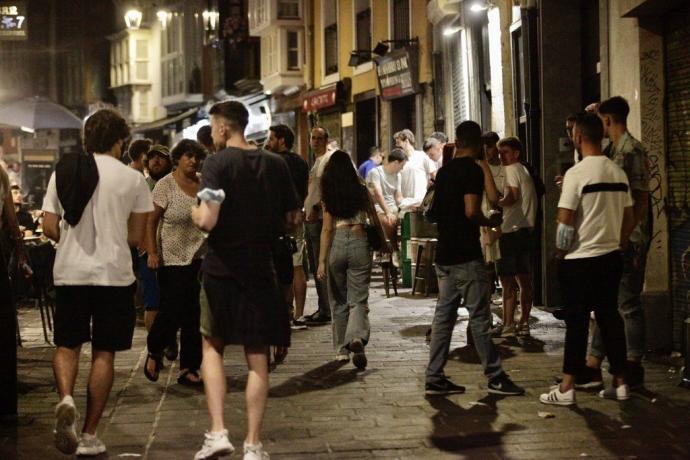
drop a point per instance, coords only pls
(523, 330)
(255, 452)
(557, 398)
(509, 330)
(90, 446)
(66, 439)
(359, 358)
(502, 385)
(216, 444)
(619, 393)
(342, 357)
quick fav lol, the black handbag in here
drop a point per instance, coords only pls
(375, 234)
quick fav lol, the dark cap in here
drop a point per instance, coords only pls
(161, 150)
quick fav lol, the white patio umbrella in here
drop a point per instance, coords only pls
(38, 113)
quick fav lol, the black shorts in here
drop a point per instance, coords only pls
(515, 253)
(102, 315)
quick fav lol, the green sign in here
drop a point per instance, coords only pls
(13, 21)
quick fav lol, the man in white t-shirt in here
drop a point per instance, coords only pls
(417, 173)
(519, 205)
(384, 185)
(595, 219)
(490, 236)
(434, 150)
(96, 208)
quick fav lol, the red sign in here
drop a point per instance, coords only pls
(320, 99)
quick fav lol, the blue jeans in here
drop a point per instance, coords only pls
(313, 240)
(465, 285)
(349, 275)
(629, 304)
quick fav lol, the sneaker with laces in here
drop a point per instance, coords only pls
(523, 330)
(509, 330)
(216, 444)
(619, 393)
(342, 357)
(255, 452)
(66, 439)
(90, 446)
(359, 359)
(299, 324)
(556, 398)
(317, 318)
(502, 385)
(443, 387)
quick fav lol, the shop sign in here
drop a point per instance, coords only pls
(320, 99)
(13, 24)
(398, 73)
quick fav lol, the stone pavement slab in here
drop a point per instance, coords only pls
(319, 409)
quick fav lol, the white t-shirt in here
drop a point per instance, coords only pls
(415, 178)
(597, 190)
(95, 252)
(389, 183)
(523, 212)
(499, 175)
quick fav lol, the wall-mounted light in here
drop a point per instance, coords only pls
(164, 17)
(479, 6)
(453, 27)
(210, 20)
(358, 57)
(133, 19)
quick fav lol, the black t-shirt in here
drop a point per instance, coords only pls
(258, 192)
(458, 237)
(299, 170)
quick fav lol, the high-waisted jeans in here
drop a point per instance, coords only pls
(349, 275)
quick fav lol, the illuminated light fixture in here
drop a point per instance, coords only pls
(133, 19)
(164, 17)
(451, 30)
(210, 19)
(27, 130)
(479, 6)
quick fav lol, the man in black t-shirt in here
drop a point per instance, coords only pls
(462, 275)
(280, 141)
(247, 202)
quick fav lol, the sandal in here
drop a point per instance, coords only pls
(182, 379)
(159, 365)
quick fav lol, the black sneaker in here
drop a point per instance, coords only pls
(317, 318)
(359, 359)
(634, 375)
(444, 387)
(502, 385)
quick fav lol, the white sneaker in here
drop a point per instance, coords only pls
(255, 452)
(216, 444)
(90, 445)
(342, 357)
(619, 393)
(557, 398)
(66, 439)
(509, 331)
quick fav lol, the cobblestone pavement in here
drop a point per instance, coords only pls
(322, 410)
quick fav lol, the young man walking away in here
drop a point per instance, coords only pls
(96, 208)
(248, 201)
(462, 275)
(594, 217)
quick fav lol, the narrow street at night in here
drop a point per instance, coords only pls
(320, 409)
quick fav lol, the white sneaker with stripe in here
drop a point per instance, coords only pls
(557, 398)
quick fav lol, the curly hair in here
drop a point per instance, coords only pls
(103, 129)
(342, 191)
(187, 147)
(138, 148)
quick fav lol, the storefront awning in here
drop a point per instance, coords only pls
(160, 124)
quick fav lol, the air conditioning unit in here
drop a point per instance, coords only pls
(438, 10)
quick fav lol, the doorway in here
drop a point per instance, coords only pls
(366, 129)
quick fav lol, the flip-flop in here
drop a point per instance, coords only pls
(183, 380)
(159, 365)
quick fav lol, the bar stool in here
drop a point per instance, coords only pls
(390, 276)
(424, 264)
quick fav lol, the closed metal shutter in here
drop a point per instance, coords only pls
(677, 37)
(458, 80)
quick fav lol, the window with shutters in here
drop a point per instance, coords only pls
(401, 21)
(293, 50)
(288, 9)
(363, 27)
(142, 60)
(329, 13)
(458, 79)
(172, 58)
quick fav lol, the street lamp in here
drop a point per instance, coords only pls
(210, 20)
(133, 19)
(164, 17)
(479, 6)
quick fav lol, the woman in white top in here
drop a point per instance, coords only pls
(175, 248)
(345, 256)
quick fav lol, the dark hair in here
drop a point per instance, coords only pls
(323, 129)
(396, 155)
(374, 150)
(617, 108)
(138, 148)
(285, 133)
(590, 126)
(103, 129)
(15, 187)
(512, 143)
(342, 191)
(490, 138)
(468, 134)
(571, 117)
(203, 136)
(187, 146)
(234, 112)
(439, 136)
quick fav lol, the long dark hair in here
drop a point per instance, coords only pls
(342, 191)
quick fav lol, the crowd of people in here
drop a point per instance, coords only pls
(219, 236)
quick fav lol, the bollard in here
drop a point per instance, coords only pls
(685, 378)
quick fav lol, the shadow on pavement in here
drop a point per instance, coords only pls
(457, 429)
(329, 375)
(468, 354)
